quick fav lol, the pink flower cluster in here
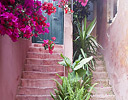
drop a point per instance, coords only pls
(64, 4)
(49, 44)
(83, 2)
(23, 18)
(49, 8)
(8, 23)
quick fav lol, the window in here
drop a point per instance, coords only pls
(112, 10)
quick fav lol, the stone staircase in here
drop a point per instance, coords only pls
(40, 68)
(102, 91)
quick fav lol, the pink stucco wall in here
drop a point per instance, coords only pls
(68, 38)
(114, 39)
(12, 56)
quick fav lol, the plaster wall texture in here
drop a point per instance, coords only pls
(68, 38)
(114, 39)
(12, 57)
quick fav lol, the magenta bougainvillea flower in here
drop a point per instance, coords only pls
(48, 24)
(12, 1)
(53, 38)
(46, 41)
(24, 18)
(48, 44)
(83, 2)
(46, 30)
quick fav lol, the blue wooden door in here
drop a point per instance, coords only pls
(56, 28)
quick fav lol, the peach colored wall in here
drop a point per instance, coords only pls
(12, 56)
(68, 37)
(114, 39)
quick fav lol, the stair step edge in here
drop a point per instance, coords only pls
(109, 87)
(43, 72)
(43, 53)
(42, 59)
(38, 79)
(40, 44)
(32, 47)
(33, 95)
(21, 87)
(102, 95)
(42, 65)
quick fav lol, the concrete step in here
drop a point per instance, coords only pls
(39, 82)
(40, 68)
(42, 61)
(42, 50)
(33, 97)
(99, 62)
(44, 68)
(102, 91)
(100, 75)
(100, 65)
(40, 45)
(103, 97)
(100, 69)
(101, 82)
(41, 75)
(98, 57)
(43, 55)
(35, 91)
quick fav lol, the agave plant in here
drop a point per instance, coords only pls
(85, 40)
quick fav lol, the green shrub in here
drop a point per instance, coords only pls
(73, 88)
(80, 66)
(77, 86)
(85, 39)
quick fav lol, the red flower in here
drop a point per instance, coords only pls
(59, 6)
(66, 10)
(49, 8)
(36, 18)
(53, 38)
(50, 51)
(72, 11)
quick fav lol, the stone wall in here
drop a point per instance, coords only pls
(114, 39)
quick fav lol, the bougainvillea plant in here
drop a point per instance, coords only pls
(48, 44)
(23, 18)
(66, 4)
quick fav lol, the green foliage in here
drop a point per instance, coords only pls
(80, 11)
(79, 14)
(85, 40)
(77, 86)
(73, 88)
(80, 66)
